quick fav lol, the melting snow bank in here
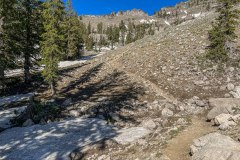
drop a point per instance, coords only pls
(58, 139)
(16, 98)
(62, 64)
(8, 114)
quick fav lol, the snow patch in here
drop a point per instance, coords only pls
(196, 15)
(167, 23)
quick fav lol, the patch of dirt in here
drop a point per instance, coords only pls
(178, 147)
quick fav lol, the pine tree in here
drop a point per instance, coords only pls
(223, 32)
(8, 40)
(89, 43)
(123, 30)
(110, 35)
(52, 40)
(29, 32)
(73, 32)
(100, 28)
(101, 42)
(129, 38)
(89, 29)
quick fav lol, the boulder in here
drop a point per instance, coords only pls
(236, 92)
(222, 105)
(215, 146)
(226, 125)
(222, 118)
(129, 135)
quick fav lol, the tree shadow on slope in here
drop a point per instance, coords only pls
(108, 96)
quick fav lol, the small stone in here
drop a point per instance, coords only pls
(115, 117)
(28, 123)
(181, 121)
(74, 113)
(169, 106)
(167, 112)
(67, 102)
(200, 103)
(230, 86)
(149, 124)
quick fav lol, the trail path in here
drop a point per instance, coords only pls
(178, 147)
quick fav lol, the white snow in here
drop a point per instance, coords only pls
(15, 98)
(147, 21)
(185, 11)
(62, 64)
(196, 15)
(167, 23)
(8, 114)
(184, 17)
(169, 12)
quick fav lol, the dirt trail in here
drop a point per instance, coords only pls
(178, 147)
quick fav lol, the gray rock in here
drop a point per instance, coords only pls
(114, 117)
(222, 118)
(74, 113)
(226, 125)
(230, 86)
(126, 136)
(169, 106)
(54, 140)
(215, 146)
(67, 102)
(167, 112)
(28, 123)
(149, 124)
(181, 121)
(236, 92)
(200, 103)
(222, 105)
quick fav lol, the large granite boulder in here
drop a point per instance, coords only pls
(222, 105)
(215, 146)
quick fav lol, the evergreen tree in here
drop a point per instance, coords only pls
(110, 35)
(223, 31)
(8, 40)
(73, 32)
(101, 42)
(52, 40)
(29, 32)
(123, 30)
(129, 38)
(100, 28)
(89, 29)
(89, 43)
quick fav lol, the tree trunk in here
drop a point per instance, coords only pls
(27, 68)
(28, 45)
(2, 79)
(111, 45)
(53, 89)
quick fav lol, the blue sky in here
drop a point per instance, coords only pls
(99, 7)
